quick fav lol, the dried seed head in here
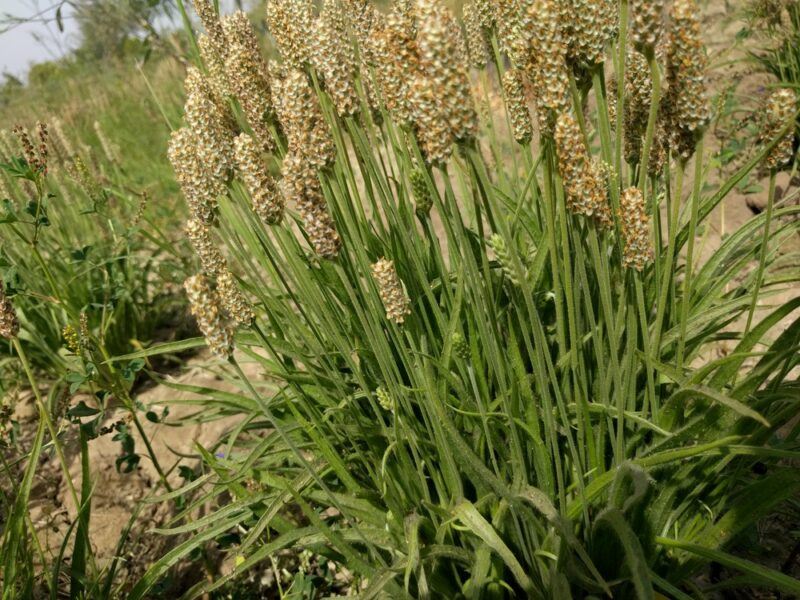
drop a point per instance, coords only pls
(586, 29)
(646, 26)
(365, 21)
(685, 103)
(205, 306)
(513, 34)
(638, 92)
(658, 151)
(28, 151)
(210, 19)
(199, 189)
(391, 290)
(207, 251)
(303, 122)
(44, 137)
(207, 124)
(300, 184)
(395, 58)
(582, 179)
(247, 82)
(9, 324)
(476, 36)
(517, 106)
(291, 23)
(439, 41)
(110, 149)
(420, 192)
(486, 13)
(267, 199)
(63, 142)
(215, 66)
(334, 59)
(638, 251)
(550, 76)
(233, 301)
(779, 112)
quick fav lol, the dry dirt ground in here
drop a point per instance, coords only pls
(118, 495)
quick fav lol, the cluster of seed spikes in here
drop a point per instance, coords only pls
(391, 290)
(413, 62)
(779, 113)
(9, 324)
(638, 249)
(35, 156)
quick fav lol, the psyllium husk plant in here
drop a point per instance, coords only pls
(463, 256)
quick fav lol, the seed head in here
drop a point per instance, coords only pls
(439, 41)
(476, 36)
(9, 324)
(391, 290)
(207, 251)
(638, 91)
(583, 182)
(385, 400)
(291, 23)
(460, 346)
(550, 77)
(300, 184)
(110, 149)
(199, 189)
(586, 28)
(513, 33)
(215, 66)
(421, 193)
(205, 306)
(395, 58)
(267, 199)
(638, 251)
(86, 181)
(779, 112)
(210, 19)
(64, 144)
(504, 258)
(334, 59)
(517, 106)
(302, 120)
(234, 303)
(365, 21)
(72, 341)
(32, 157)
(207, 124)
(646, 26)
(247, 82)
(685, 103)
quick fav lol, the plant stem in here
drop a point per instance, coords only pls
(764, 248)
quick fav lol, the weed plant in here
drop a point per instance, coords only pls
(463, 253)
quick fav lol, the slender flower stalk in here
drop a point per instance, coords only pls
(393, 295)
